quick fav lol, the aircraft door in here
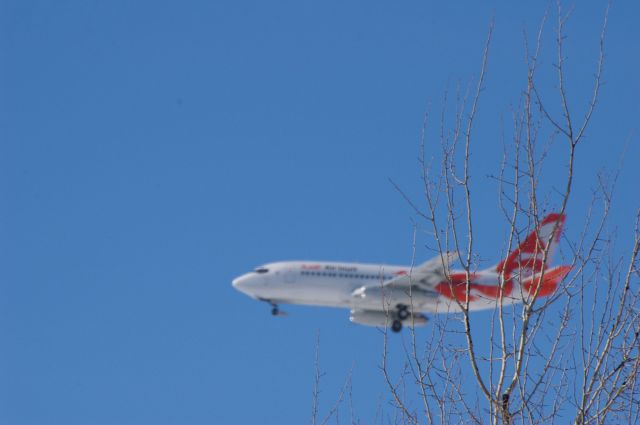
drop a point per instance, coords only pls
(289, 276)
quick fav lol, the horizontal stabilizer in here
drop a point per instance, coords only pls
(545, 283)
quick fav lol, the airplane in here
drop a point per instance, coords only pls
(381, 295)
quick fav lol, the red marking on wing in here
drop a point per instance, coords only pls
(493, 291)
(455, 291)
(457, 288)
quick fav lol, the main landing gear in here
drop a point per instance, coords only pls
(401, 314)
(403, 311)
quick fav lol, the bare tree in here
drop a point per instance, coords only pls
(573, 356)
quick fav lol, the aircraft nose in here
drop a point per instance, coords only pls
(238, 283)
(242, 284)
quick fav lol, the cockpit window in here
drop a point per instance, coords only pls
(261, 270)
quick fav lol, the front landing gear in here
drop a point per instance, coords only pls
(275, 310)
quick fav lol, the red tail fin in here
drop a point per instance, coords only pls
(528, 258)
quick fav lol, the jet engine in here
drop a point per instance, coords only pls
(382, 318)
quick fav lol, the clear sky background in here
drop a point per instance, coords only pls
(151, 151)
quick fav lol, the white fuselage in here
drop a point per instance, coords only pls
(339, 285)
(312, 283)
(377, 294)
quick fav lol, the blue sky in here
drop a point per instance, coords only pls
(152, 151)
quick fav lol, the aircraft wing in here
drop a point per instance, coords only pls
(427, 275)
